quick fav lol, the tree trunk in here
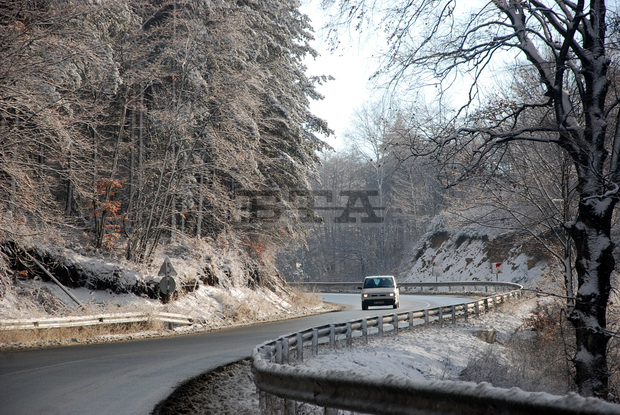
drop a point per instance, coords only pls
(69, 185)
(132, 165)
(141, 142)
(200, 203)
(69, 201)
(594, 264)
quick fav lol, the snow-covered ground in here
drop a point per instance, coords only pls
(211, 308)
(466, 253)
(222, 292)
(433, 353)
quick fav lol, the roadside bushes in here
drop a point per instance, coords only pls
(536, 358)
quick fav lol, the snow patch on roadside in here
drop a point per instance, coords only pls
(431, 354)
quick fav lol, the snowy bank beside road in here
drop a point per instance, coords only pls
(450, 253)
(211, 308)
(432, 353)
(225, 290)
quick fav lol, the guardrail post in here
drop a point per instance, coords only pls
(380, 325)
(300, 347)
(453, 309)
(349, 335)
(268, 353)
(279, 351)
(440, 317)
(365, 330)
(315, 342)
(395, 323)
(332, 336)
(477, 308)
(273, 405)
(466, 312)
(486, 305)
(410, 318)
(262, 404)
(426, 317)
(285, 350)
(289, 407)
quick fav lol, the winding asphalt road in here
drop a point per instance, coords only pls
(132, 377)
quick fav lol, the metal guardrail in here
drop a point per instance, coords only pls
(78, 321)
(287, 389)
(414, 287)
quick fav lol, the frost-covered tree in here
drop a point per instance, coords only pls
(46, 59)
(139, 121)
(565, 42)
(527, 187)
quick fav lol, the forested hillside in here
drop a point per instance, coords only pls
(129, 126)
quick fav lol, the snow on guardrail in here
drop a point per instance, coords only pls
(284, 388)
(78, 321)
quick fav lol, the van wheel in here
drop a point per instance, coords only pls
(364, 307)
(396, 305)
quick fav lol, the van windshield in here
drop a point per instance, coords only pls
(378, 283)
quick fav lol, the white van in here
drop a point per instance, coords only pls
(380, 290)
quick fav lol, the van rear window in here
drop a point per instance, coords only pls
(378, 283)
